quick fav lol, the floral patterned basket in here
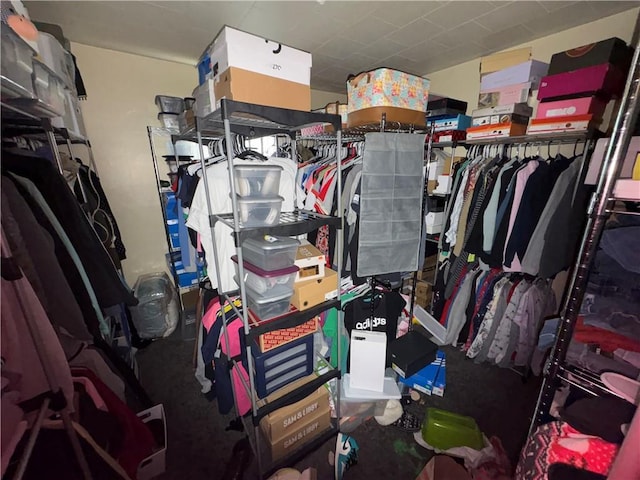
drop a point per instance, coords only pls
(395, 90)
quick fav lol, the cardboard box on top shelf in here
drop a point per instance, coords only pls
(310, 293)
(502, 60)
(281, 422)
(530, 71)
(252, 53)
(612, 50)
(245, 86)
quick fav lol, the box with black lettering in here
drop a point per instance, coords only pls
(285, 420)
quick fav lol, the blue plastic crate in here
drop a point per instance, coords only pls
(281, 366)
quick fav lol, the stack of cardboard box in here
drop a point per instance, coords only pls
(580, 84)
(315, 282)
(448, 119)
(247, 68)
(506, 82)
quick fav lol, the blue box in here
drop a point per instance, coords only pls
(425, 380)
(170, 206)
(280, 366)
(204, 68)
(457, 122)
(174, 233)
(185, 278)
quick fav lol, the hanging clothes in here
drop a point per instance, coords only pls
(108, 285)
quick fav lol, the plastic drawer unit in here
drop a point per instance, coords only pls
(280, 366)
(257, 180)
(264, 282)
(17, 66)
(49, 88)
(259, 211)
(270, 253)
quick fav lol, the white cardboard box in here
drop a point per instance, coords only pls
(368, 355)
(310, 261)
(235, 48)
(154, 464)
(434, 218)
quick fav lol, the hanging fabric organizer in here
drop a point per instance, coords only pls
(392, 187)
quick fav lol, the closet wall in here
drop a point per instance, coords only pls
(463, 81)
(121, 90)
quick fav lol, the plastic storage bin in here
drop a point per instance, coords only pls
(270, 253)
(257, 180)
(17, 66)
(259, 211)
(72, 118)
(280, 366)
(57, 59)
(444, 430)
(168, 104)
(270, 306)
(262, 281)
(48, 88)
(169, 120)
(158, 312)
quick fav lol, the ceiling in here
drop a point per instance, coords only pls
(344, 37)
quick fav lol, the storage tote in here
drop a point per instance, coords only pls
(402, 97)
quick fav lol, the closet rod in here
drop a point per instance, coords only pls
(555, 138)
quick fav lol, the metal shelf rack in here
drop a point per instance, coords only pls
(153, 133)
(256, 121)
(599, 209)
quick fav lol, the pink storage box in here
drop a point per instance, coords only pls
(573, 106)
(603, 78)
(504, 96)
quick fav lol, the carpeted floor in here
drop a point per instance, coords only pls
(199, 447)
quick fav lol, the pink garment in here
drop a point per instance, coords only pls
(209, 317)
(627, 464)
(583, 451)
(27, 336)
(521, 182)
(27, 341)
(243, 402)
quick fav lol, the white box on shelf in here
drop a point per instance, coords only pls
(235, 48)
(310, 261)
(432, 229)
(435, 169)
(444, 185)
(205, 98)
(434, 218)
(368, 355)
(155, 464)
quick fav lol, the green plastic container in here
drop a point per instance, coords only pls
(444, 430)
